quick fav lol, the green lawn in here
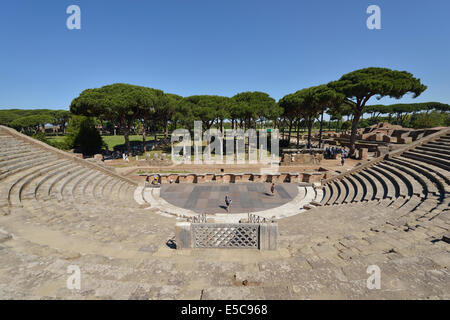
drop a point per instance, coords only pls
(111, 141)
(56, 138)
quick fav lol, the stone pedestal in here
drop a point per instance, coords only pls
(268, 233)
(363, 154)
(389, 139)
(382, 151)
(405, 140)
(219, 178)
(208, 177)
(237, 178)
(293, 177)
(284, 177)
(174, 178)
(227, 178)
(183, 235)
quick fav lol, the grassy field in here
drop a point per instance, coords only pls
(111, 141)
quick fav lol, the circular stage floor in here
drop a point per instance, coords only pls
(210, 198)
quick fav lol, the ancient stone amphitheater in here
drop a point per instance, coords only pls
(58, 211)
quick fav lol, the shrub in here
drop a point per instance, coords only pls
(346, 125)
(429, 120)
(40, 136)
(83, 136)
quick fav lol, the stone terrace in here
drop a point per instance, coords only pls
(61, 211)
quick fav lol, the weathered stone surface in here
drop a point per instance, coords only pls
(64, 213)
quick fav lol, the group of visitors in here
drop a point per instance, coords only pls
(331, 153)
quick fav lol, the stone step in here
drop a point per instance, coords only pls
(47, 188)
(15, 191)
(31, 191)
(14, 156)
(418, 181)
(406, 188)
(334, 193)
(18, 167)
(367, 187)
(359, 190)
(376, 185)
(345, 191)
(435, 184)
(434, 149)
(350, 190)
(327, 191)
(438, 162)
(388, 187)
(438, 171)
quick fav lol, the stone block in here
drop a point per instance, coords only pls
(293, 177)
(182, 178)
(164, 178)
(183, 235)
(257, 178)
(363, 154)
(174, 178)
(404, 140)
(219, 178)
(200, 178)
(389, 139)
(237, 178)
(284, 177)
(382, 151)
(190, 178)
(268, 234)
(208, 177)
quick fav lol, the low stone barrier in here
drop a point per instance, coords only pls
(262, 236)
(283, 177)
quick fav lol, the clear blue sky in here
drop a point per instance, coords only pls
(214, 47)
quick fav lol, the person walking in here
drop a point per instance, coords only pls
(272, 189)
(228, 202)
(343, 160)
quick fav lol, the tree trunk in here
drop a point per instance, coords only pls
(166, 130)
(310, 123)
(354, 131)
(290, 129)
(320, 132)
(144, 139)
(298, 133)
(126, 134)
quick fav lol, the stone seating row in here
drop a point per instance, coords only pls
(415, 180)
